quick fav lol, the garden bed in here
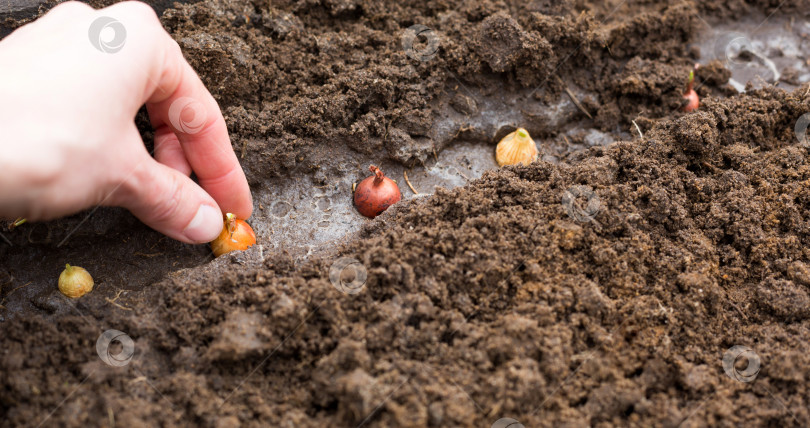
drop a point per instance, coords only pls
(600, 286)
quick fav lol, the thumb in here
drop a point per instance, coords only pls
(170, 202)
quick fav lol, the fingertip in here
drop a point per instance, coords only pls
(205, 226)
(246, 208)
(170, 203)
(231, 191)
(242, 212)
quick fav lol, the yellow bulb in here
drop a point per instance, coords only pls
(516, 148)
(75, 282)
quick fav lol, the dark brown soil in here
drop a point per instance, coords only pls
(497, 299)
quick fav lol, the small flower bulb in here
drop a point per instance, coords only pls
(75, 282)
(516, 148)
(236, 235)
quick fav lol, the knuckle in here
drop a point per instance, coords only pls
(166, 206)
(145, 12)
(136, 12)
(173, 48)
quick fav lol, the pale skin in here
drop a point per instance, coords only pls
(68, 141)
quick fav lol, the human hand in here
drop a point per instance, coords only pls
(72, 84)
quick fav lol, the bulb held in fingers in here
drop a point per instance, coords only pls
(236, 235)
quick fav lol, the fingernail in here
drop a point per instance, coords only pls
(205, 226)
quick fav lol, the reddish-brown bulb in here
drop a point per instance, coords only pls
(376, 193)
(693, 101)
(691, 97)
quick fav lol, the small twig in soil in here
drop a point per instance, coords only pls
(461, 174)
(149, 256)
(462, 129)
(638, 129)
(574, 98)
(734, 305)
(111, 416)
(113, 301)
(12, 291)
(405, 173)
(710, 166)
(388, 125)
(157, 243)
(496, 408)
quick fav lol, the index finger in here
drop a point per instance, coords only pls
(179, 103)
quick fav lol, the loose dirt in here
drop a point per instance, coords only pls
(601, 286)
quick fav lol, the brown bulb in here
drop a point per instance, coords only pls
(375, 194)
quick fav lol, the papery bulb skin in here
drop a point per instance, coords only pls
(75, 282)
(236, 235)
(516, 148)
(376, 193)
